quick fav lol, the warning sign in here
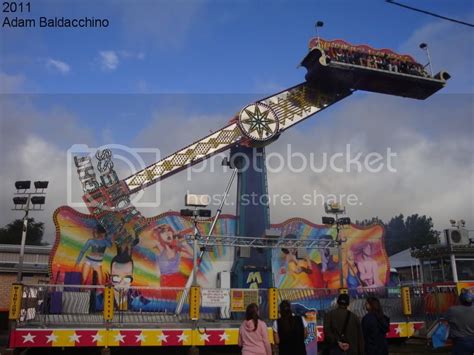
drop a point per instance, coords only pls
(215, 297)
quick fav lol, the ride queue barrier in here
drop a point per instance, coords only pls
(46, 304)
(65, 313)
(66, 304)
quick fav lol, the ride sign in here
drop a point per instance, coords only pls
(215, 297)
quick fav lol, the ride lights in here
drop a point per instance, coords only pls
(193, 200)
(41, 185)
(38, 200)
(20, 201)
(334, 207)
(195, 213)
(23, 185)
(424, 47)
(328, 220)
(318, 25)
(344, 221)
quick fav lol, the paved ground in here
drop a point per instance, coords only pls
(413, 348)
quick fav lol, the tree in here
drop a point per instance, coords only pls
(414, 231)
(11, 233)
(368, 222)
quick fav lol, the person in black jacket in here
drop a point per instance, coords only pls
(375, 326)
(289, 332)
(342, 330)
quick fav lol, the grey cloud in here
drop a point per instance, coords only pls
(34, 144)
(451, 49)
(10, 84)
(432, 139)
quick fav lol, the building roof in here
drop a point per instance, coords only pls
(443, 250)
(29, 249)
(36, 258)
(403, 259)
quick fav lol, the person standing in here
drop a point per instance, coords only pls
(289, 332)
(461, 324)
(253, 334)
(375, 326)
(342, 330)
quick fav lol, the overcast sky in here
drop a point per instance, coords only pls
(165, 73)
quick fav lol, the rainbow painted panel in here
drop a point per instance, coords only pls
(365, 262)
(162, 260)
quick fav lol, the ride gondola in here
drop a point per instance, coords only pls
(338, 64)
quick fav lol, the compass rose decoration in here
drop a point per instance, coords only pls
(258, 122)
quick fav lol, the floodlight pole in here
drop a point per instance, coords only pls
(192, 279)
(219, 210)
(336, 211)
(195, 248)
(339, 254)
(23, 241)
(38, 185)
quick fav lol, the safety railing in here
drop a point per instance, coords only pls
(430, 302)
(108, 306)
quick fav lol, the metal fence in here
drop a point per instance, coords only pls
(66, 305)
(431, 302)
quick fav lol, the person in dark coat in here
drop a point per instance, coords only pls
(375, 326)
(461, 324)
(289, 332)
(342, 330)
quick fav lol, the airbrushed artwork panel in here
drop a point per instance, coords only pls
(158, 261)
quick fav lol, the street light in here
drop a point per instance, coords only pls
(27, 201)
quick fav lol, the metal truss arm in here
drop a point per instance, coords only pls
(239, 241)
(258, 122)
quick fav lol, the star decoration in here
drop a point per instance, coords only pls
(75, 338)
(97, 338)
(51, 338)
(140, 337)
(398, 329)
(205, 337)
(119, 337)
(163, 338)
(183, 337)
(28, 338)
(223, 336)
(319, 334)
(259, 121)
